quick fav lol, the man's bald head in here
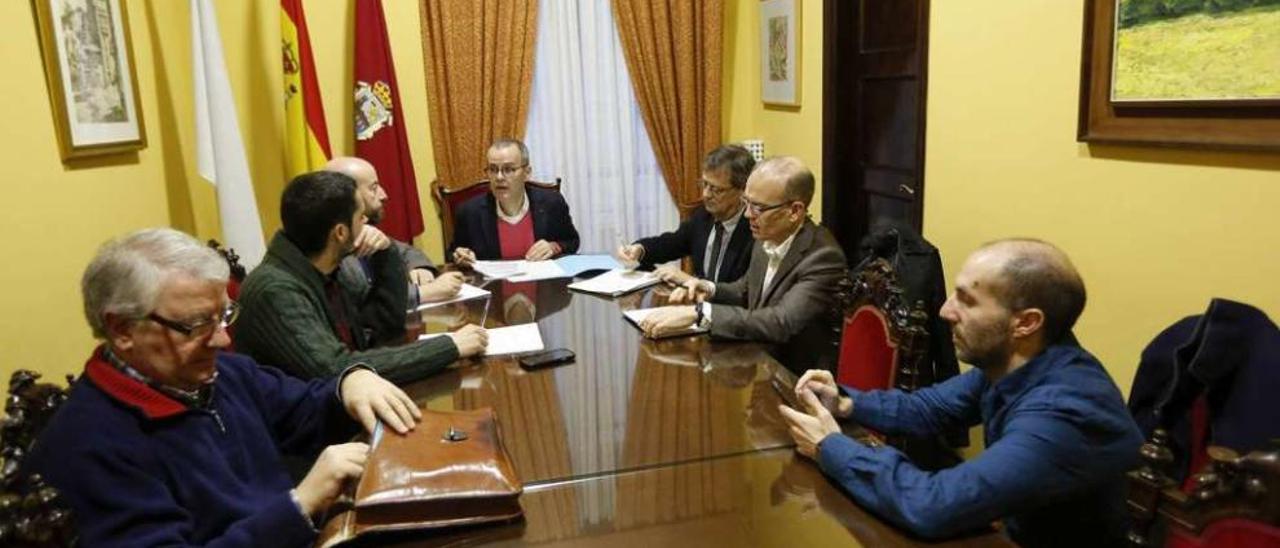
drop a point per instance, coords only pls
(367, 184)
(1036, 274)
(796, 179)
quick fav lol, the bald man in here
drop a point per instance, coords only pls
(785, 298)
(1058, 436)
(424, 285)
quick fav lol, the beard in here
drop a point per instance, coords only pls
(374, 217)
(983, 346)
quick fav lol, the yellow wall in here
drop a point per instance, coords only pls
(790, 131)
(59, 214)
(1155, 233)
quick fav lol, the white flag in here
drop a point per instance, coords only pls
(219, 150)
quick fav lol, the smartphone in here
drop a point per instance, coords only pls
(546, 358)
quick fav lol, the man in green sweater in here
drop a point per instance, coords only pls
(297, 314)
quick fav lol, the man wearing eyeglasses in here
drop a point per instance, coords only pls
(513, 221)
(299, 314)
(714, 236)
(786, 296)
(167, 440)
(424, 285)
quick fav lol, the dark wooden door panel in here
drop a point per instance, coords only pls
(874, 90)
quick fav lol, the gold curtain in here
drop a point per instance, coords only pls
(674, 53)
(479, 67)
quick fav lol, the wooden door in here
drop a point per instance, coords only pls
(875, 72)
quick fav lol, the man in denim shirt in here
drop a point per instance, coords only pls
(1058, 436)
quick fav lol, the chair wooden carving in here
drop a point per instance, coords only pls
(882, 338)
(448, 200)
(31, 513)
(1234, 501)
(237, 270)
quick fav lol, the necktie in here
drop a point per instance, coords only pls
(713, 267)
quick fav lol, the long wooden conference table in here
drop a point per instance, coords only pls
(640, 442)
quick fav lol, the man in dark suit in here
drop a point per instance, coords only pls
(786, 296)
(513, 221)
(713, 236)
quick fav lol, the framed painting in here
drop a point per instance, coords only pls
(780, 52)
(93, 87)
(1195, 73)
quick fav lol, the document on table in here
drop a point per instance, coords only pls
(616, 282)
(515, 339)
(532, 271)
(499, 269)
(572, 265)
(639, 314)
(466, 293)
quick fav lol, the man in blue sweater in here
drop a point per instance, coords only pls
(1058, 436)
(165, 440)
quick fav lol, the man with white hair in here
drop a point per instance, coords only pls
(165, 440)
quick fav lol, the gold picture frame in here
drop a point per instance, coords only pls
(89, 69)
(780, 52)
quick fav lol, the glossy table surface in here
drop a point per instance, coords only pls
(641, 441)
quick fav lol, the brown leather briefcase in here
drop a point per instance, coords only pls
(450, 470)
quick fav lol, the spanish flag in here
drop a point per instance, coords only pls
(305, 132)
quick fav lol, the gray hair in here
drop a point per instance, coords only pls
(510, 142)
(125, 277)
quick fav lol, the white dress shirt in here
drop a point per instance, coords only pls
(710, 269)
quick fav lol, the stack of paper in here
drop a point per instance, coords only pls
(466, 293)
(515, 339)
(499, 269)
(532, 271)
(639, 314)
(616, 282)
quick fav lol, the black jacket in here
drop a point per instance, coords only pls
(476, 225)
(690, 240)
(1231, 356)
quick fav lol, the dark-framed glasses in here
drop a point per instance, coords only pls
(203, 327)
(505, 171)
(713, 190)
(757, 209)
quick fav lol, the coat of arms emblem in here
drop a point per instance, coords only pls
(373, 109)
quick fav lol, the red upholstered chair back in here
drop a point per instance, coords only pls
(883, 339)
(868, 354)
(1234, 501)
(448, 200)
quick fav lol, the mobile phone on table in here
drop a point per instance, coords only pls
(546, 358)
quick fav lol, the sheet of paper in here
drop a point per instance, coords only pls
(639, 314)
(616, 282)
(577, 264)
(466, 293)
(515, 339)
(539, 270)
(499, 269)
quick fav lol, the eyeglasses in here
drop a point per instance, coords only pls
(713, 190)
(201, 328)
(505, 171)
(757, 209)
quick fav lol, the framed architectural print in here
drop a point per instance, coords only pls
(780, 52)
(1195, 73)
(88, 65)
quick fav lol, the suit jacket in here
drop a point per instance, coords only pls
(476, 223)
(796, 312)
(690, 240)
(356, 274)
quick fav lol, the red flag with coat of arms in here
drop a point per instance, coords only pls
(379, 123)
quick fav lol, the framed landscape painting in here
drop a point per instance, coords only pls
(780, 52)
(93, 89)
(1181, 73)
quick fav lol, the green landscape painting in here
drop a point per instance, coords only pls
(1196, 50)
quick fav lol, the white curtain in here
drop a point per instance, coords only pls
(585, 127)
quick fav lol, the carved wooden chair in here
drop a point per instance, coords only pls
(883, 345)
(1234, 501)
(31, 513)
(237, 270)
(448, 200)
